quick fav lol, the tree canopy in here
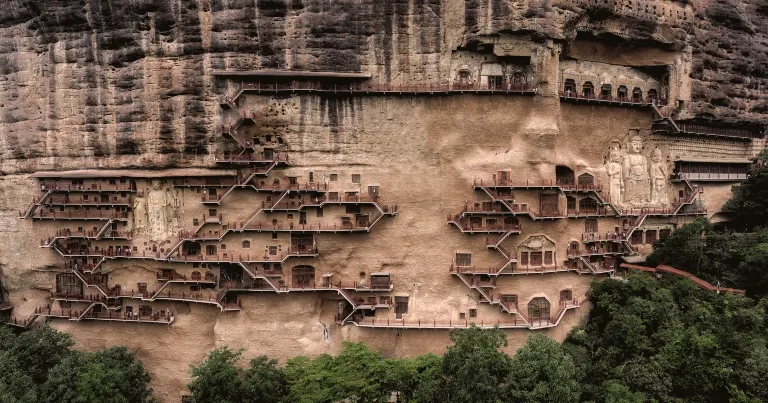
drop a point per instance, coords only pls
(40, 366)
(748, 208)
(668, 340)
(219, 378)
(732, 259)
(473, 370)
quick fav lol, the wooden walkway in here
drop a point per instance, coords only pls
(671, 270)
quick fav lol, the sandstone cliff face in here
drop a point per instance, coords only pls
(130, 84)
(127, 83)
(730, 61)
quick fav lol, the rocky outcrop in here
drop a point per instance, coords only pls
(128, 83)
(730, 61)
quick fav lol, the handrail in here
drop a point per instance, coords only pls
(384, 88)
(575, 95)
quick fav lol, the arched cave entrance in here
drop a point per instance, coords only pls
(566, 295)
(653, 95)
(586, 179)
(191, 248)
(303, 276)
(564, 175)
(606, 91)
(637, 95)
(538, 309)
(230, 274)
(622, 93)
(588, 205)
(570, 87)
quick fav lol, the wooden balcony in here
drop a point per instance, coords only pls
(81, 215)
(173, 276)
(352, 226)
(83, 200)
(245, 158)
(594, 252)
(574, 96)
(110, 316)
(67, 233)
(101, 186)
(599, 211)
(385, 89)
(607, 237)
(204, 182)
(244, 258)
(467, 227)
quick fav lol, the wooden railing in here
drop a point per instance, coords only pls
(276, 157)
(66, 199)
(101, 187)
(68, 233)
(98, 214)
(610, 98)
(718, 131)
(596, 237)
(552, 183)
(468, 226)
(384, 88)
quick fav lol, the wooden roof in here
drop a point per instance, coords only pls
(714, 160)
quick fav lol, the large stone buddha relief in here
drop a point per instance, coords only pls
(635, 178)
(157, 212)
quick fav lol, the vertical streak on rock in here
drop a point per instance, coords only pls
(403, 37)
(270, 15)
(52, 115)
(470, 19)
(384, 9)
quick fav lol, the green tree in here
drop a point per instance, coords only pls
(731, 259)
(39, 350)
(541, 371)
(356, 374)
(7, 338)
(15, 385)
(263, 381)
(616, 392)
(668, 340)
(61, 385)
(418, 379)
(111, 375)
(684, 248)
(217, 379)
(474, 368)
(748, 207)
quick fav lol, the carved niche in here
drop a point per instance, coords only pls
(159, 212)
(140, 214)
(636, 179)
(537, 250)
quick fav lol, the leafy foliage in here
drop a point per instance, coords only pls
(748, 208)
(39, 366)
(542, 371)
(356, 374)
(219, 379)
(474, 368)
(668, 340)
(732, 259)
